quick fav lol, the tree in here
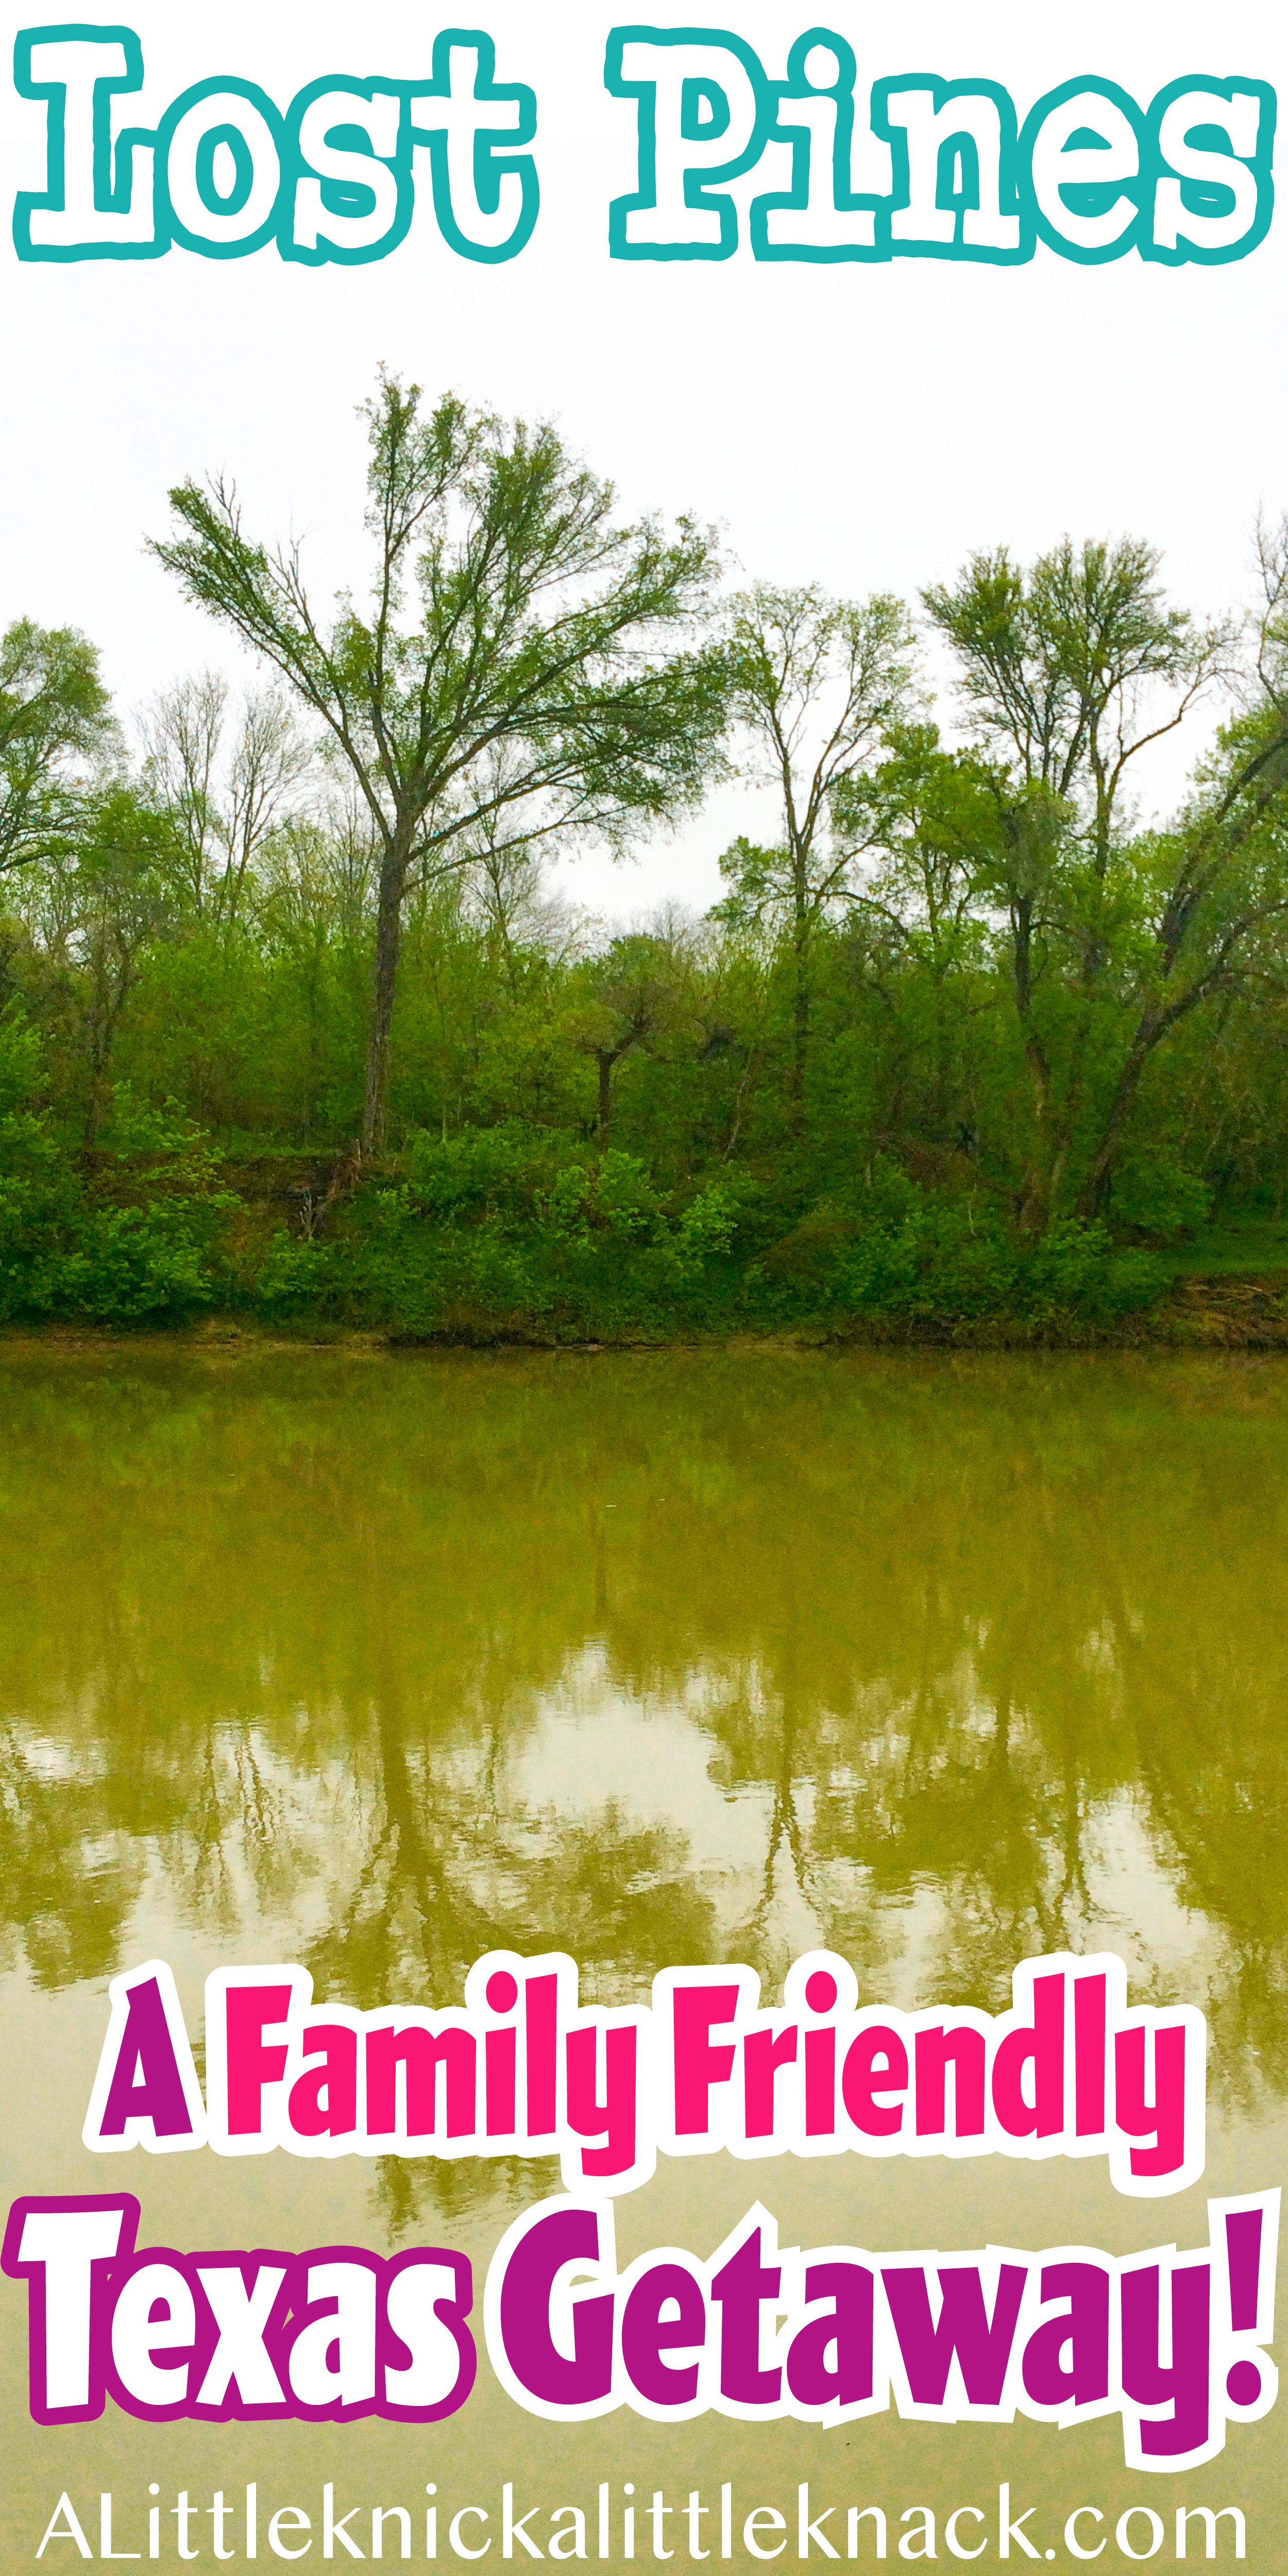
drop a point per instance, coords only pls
(224, 807)
(1219, 902)
(817, 682)
(124, 872)
(636, 996)
(507, 890)
(924, 818)
(1069, 671)
(97, 904)
(54, 719)
(509, 613)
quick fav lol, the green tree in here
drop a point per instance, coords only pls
(635, 995)
(1217, 887)
(94, 908)
(513, 659)
(1070, 670)
(124, 874)
(817, 682)
(1215, 901)
(55, 718)
(925, 819)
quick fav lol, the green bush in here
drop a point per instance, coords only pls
(948, 1264)
(128, 1266)
(292, 1277)
(130, 1235)
(514, 1231)
(1160, 1197)
(480, 1169)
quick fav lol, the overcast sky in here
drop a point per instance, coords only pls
(864, 426)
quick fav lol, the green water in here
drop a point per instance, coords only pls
(377, 1663)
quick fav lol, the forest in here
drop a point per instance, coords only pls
(299, 1024)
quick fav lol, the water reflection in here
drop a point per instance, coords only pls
(379, 1663)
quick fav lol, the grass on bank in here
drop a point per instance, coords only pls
(1237, 1248)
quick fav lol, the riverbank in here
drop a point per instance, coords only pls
(1200, 1312)
(469, 1242)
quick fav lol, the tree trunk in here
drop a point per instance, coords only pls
(94, 1102)
(96, 1052)
(1033, 1199)
(106, 1012)
(605, 1058)
(800, 1007)
(1094, 1196)
(800, 1036)
(393, 879)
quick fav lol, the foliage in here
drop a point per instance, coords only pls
(515, 677)
(54, 723)
(126, 1239)
(966, 1047)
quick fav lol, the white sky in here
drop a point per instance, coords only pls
(863, 426)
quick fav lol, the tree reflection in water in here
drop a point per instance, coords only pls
(382, 1662)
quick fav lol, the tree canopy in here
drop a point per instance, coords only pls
(523, 660)
(968, 1020)
(55, 722)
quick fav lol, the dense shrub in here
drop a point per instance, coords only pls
(129, 1235)
(512, 1231)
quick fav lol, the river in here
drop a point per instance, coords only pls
(375, 1663)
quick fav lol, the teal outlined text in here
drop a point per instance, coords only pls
(721, 159)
